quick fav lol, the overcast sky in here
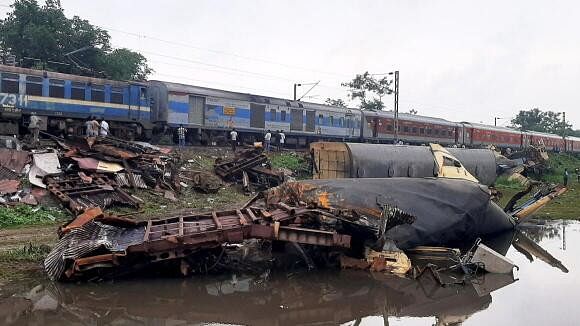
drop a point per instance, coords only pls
(460, 60)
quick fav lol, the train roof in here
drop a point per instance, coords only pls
(58, 75)
(543, 134)
(412, 117)
(214, 92)
(488, 127)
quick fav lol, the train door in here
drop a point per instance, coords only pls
(136, 94)
(310, 117)
(375, 125)
(297, 119)
(196, 106)
(457, 131)
(257, 115)
(349, 124)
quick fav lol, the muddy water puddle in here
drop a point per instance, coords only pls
(545, 290)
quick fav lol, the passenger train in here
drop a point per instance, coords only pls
(146, 110)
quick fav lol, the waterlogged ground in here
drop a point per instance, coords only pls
(545, 291)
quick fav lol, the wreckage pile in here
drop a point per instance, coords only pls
(82, 173)
(250, 168)
(358, 223)
(374, 224)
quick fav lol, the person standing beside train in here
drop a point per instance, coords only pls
(181, 131)
(89, 126)
(104, 128)
(34, 127)
(281, 140)
(234, 139)
(267, 138)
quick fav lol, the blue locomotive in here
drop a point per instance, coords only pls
(63, 101)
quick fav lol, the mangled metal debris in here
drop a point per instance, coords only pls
(98, 245)
(378, 219)
(249, 167)
(80, 192)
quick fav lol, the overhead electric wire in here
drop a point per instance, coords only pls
(224, 84)
(143, 36)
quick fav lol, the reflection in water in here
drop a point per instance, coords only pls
(310, 298)
(319, 297)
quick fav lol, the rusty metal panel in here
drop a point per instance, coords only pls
(13, 159)
(9, 186)
(330, 160)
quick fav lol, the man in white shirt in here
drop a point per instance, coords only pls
(281, 140)
(267, 138)
(234, 139)
(104, 128)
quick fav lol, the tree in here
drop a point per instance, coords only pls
(413, 111)
(543, 121)
(126, 64)
(335, 102)
(43, 37)
(369, 91)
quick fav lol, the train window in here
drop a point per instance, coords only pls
(429, 131)
(117, 95)
(10, 84)
(436, 131)
(320, 119)
(389, 128)
(283, 115)
(98, 93)
(331, 121)
(34, 85)
(273, 115)
(414, 130)
(341, 122)
(56, 88)
(421, 131)
(77, 91)
(406, 129)
(450, 133)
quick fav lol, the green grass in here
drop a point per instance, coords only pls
(28, 253)
(504, 183)
(188, 199)
(295, 162)
(29, 215)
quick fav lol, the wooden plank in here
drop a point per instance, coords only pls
(216, 221)
(147, 230)
(243, 220)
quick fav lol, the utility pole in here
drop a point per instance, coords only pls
(396, 111)
(564, 129)
(296, 85)
(495, 120)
